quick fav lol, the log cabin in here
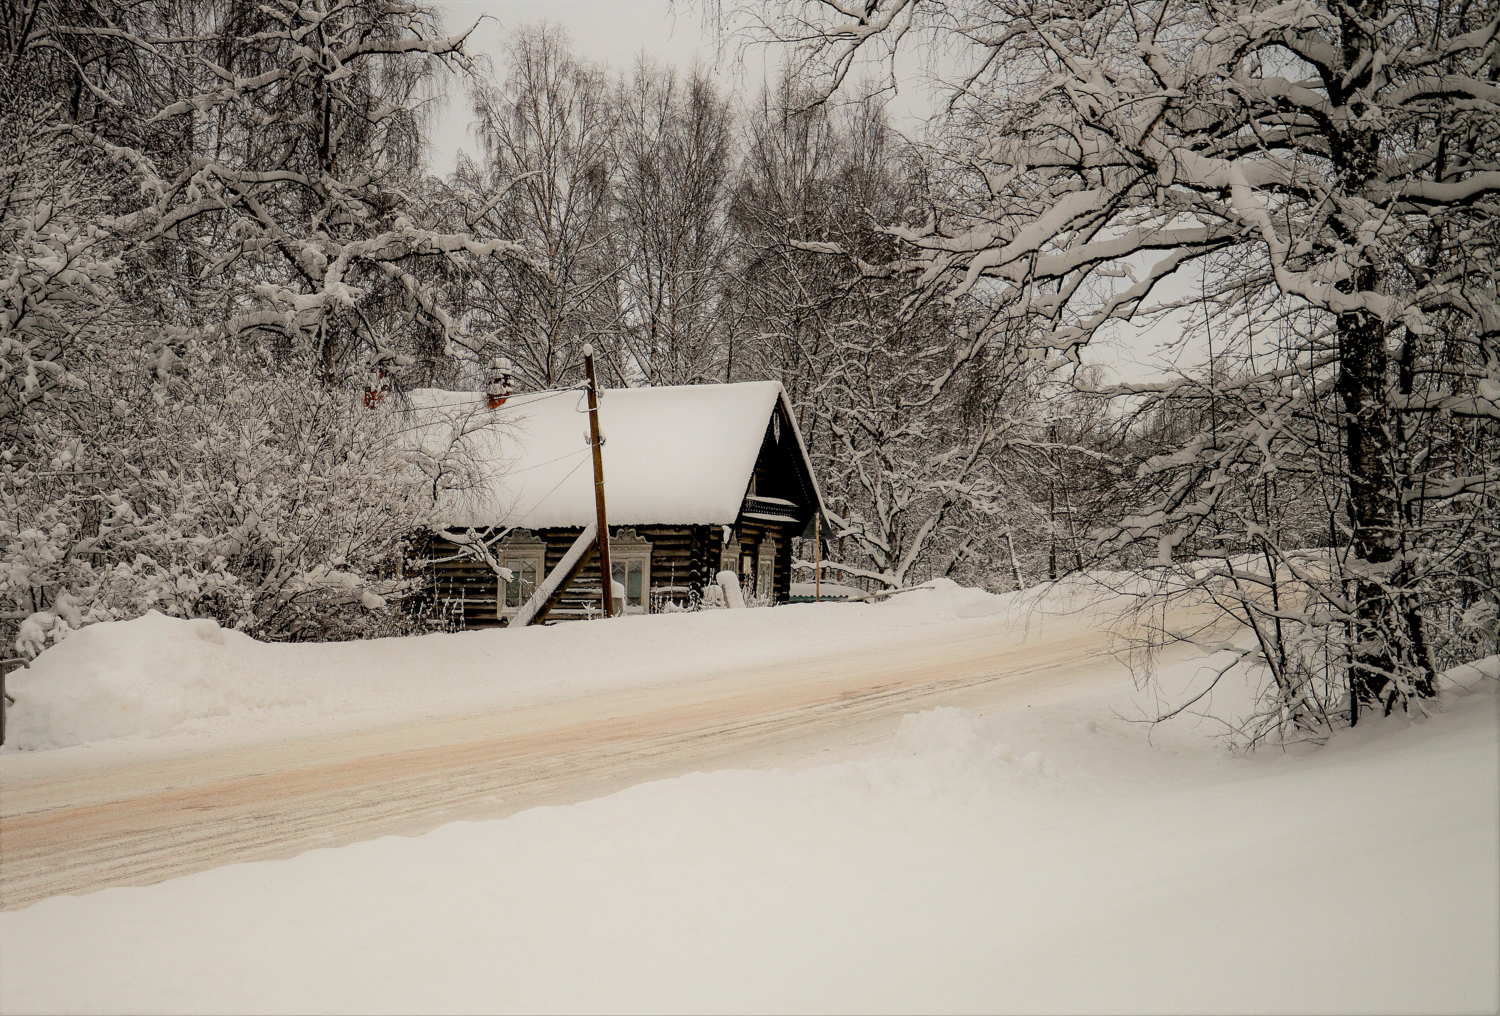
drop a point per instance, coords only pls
(698, 479)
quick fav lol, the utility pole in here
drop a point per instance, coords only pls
(606, 574)
(1073, 530)
(1052, 515)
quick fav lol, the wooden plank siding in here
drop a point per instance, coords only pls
(684, 558)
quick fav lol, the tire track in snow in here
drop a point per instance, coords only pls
(141, 824)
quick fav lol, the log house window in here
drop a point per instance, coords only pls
(630, 561)
(525, 557)
(523, 580)
(766, 566)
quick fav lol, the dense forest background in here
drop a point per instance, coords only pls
(222, 260)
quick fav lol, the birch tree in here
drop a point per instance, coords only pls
(672, 148)
(545, 185)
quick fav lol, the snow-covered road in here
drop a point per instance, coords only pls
(1029, 850)
(140, 812)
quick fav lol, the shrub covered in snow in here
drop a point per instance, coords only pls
(220, 465)
(267, 504)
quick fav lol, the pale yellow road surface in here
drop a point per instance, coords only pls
(86, 825)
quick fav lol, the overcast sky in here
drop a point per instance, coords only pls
(610, 33)
(614, 32)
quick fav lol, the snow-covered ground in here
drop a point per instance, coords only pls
(1044, 859)
(158, 676)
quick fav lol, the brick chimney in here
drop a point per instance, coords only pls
(501, 378)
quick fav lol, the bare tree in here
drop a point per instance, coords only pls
(672, 152)
(923, 430)
(1342, 158)
(545, 184)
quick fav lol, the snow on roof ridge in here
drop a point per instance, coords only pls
(673, 454)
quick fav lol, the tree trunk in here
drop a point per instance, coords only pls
(1372, 493)
(1384, 626)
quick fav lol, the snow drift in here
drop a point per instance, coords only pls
(145, 676)
(157, 675)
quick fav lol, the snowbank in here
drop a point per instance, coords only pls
(149, 675)
(156, 675)
(1048, 860)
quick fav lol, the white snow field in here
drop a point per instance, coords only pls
(157, 675)
(1047, 859)
(401, 736)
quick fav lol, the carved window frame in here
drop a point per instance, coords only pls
(521, 547)
(765, 567)
(630, 552)
(729, 556)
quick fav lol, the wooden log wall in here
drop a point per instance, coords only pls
(464, 591)
(684, 559)
(702, 558)
(674, 549)
(753, 533)
(461, 590)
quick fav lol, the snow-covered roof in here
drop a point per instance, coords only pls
(672, 455)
